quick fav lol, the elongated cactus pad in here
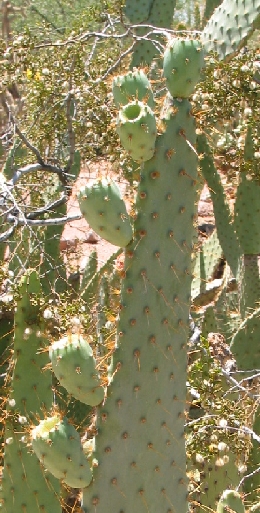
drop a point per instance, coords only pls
(26, 487)
(88, 291)
(105, 211)
(57, 445)
(223, 217)
(132, 86)
(247, 215)
(74, 366)
(182, 65)
(245, 344)
(140, 445)
(136, 127)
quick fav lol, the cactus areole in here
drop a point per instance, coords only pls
(140, 445)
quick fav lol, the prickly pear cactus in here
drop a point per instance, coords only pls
(25, 485)
(140, 448)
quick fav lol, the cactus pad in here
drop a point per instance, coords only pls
(247, 216)
(105, 211)
(140, 445)
(25, 486)
(136, 127)
(245, 344)
(230, 501)
(132, 86)
(138, 12)
(230, 26)
(182, 65)
(74, 366)
(57, 445)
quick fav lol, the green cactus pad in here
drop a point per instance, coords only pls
(230, 26)
(105, 211)
(214, 475)
(25, 486)
(247, 215)
(132, 86)
(245, 344)
(206, 261)
(87, 290)
(159, 14)
(223, 217)
(57, 445)
(182, 65)
(138, 11)
(230, 500)
(74, 366)
(136, 127)
(248, 284)
(141, 444)
(249, 149)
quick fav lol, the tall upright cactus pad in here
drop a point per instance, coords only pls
(53, 270)
(140, 446)
(104, 209)
(247, 215)
(223, 217)
(230, 26)
(26, 486)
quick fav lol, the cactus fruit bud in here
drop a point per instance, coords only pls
(105, 211)
(74, 366)
(57, 445)
(136, 127)
(182, 65)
